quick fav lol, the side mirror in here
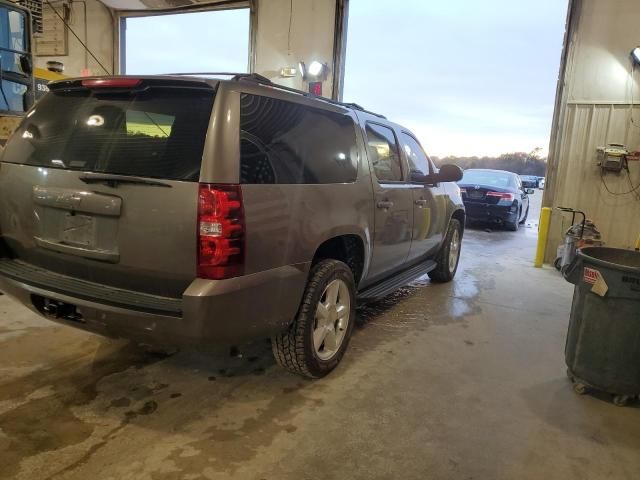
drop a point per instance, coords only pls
(529, 191)
(26, 65)
(448, 173)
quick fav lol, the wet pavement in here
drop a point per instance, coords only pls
(463, 380)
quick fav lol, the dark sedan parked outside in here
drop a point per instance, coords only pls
(495, 196)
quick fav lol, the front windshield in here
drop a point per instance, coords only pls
(15, 87)
(488, 178)
(13, 41)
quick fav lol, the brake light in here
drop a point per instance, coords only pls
(121, 82)
(221, 231)
(502, 195)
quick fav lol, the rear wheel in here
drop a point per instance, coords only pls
(526, 214)
(318, 337)
(513, 226)
(449, 255)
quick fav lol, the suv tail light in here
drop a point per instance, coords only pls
(221, 231)
(502, 196)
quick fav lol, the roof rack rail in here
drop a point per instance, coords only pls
(257, 78)
(234, 75)
(195, 74)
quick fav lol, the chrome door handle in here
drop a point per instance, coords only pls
(421, 202)
(384, 204)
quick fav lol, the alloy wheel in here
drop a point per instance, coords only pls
(332, 319)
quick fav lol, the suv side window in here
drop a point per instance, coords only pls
(289, 143)
(419, 164)
(383, 153)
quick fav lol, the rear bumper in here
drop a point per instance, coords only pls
(487, 212)
(210, 312)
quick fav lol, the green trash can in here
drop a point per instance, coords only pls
(602, 351)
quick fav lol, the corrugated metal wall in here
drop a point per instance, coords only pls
(593, 109)
(579, 181)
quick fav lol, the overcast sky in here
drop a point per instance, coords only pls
(469, 77)
(216, 41)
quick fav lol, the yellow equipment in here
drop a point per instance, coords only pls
(20, 84)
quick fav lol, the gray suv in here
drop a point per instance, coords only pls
(176, 210)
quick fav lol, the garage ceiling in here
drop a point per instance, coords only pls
(166, 4)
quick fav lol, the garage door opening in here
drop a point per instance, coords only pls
(469, 78)
(211, 41)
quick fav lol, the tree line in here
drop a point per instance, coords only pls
(518, 162)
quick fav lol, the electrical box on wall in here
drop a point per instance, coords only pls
(613, 157)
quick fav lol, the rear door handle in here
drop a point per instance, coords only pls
(421, 202)
(384, 204)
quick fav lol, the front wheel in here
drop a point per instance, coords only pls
(318, 337)
(449, 255)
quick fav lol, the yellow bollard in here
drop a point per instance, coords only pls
(638, 243)
(543, 233)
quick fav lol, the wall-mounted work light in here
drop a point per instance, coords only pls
(635, 55)
(316, 71)
(314, 75)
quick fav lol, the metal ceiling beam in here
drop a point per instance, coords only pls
(159, 6)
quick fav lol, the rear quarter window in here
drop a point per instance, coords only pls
(158, 132)
(288, 143)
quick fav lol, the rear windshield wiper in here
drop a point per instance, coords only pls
(115, 180)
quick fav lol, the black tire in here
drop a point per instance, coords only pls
(443, 272)
(513, 226)
(526, 215)
(294, 349)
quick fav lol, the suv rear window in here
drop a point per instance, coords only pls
(158, 132)
(286, 142)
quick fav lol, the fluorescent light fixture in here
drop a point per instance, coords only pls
(288, 72)
(303, 69)
(635, 55)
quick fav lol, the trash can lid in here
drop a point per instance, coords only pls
(615, 258)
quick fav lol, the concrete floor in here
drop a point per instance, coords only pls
(460, 381)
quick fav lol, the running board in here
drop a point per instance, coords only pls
(391, 284)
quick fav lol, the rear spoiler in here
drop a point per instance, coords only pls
(130, 82)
